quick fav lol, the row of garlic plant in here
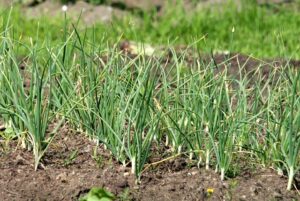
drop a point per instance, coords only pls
(28, 111)
(127, 103)
(284, 124)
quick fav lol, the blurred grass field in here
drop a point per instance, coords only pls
(260, 31)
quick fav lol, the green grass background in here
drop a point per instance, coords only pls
(262, 31)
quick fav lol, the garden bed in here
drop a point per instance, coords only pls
(65, 178)
(74, 164)
(178, 116)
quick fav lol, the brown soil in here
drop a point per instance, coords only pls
(236, 64)
(248, 65)
(60, 178)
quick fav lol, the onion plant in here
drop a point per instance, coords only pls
(142, 122)
(112, 101)
(126, 103)
(31, 108)
(289, 126)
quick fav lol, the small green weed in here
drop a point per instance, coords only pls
(98, 194)
(71, 158)
(98, 158)
(125, 195)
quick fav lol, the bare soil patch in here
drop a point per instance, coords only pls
(62, 177)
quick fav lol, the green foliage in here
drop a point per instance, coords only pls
(98, 194)
(260, 31)
(8, 134)
(67, 1)
(72, 157)
(98, 1)
(129, 103)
